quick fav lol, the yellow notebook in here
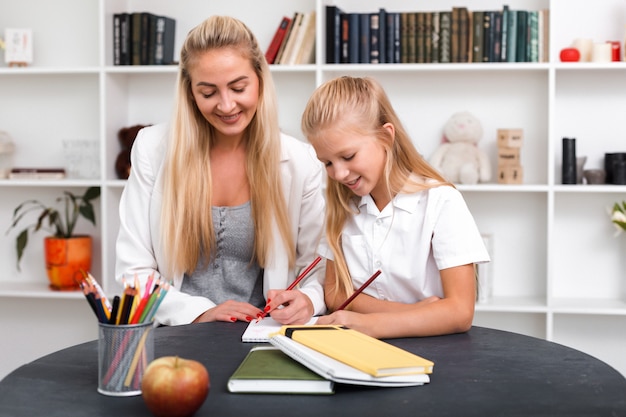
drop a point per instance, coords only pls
(359, 350)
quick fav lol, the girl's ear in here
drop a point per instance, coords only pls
(390, 137)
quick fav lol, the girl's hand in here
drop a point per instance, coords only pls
(289, 307)
(230, 311)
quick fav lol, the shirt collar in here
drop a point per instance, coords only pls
(405, 202)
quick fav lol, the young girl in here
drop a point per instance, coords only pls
(389, 210)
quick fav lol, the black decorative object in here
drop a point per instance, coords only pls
(615, 167)
(568, 170)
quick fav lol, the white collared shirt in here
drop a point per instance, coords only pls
(413, 237)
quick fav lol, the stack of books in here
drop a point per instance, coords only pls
(142, 38)
(310, 359)
(294, 40)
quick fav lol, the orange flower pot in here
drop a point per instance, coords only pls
(66, 260)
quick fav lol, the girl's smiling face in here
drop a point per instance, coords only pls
(226, 90)
(355, 160)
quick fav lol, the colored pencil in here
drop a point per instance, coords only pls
(359, 291)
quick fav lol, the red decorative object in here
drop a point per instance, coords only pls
(569, 55)
(615, 50)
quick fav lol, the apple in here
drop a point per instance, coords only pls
(174, 387)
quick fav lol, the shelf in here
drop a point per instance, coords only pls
(513, 305)
(36, 290)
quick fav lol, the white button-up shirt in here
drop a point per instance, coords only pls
(414, 237)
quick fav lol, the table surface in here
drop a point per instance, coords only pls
(483, 372)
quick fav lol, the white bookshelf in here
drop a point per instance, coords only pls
(558, 271)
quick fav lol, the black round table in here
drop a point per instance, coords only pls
(483, 372)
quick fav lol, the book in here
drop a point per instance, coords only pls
(511, 36)
(333, 34)
(393, 37)
(364, 38)
(356, 349)
(382, 35)
(435, 38)
(504, 48)
(140, 34)
(300, 31)
(164, 35)
(477, 35)
(268, 370)
(259, 331)
(21, 173)
(306, 51)
(117, 36)
(291, 38)
(445, 36)
(374, 39)
(522, 36)
(121, 38)
(339, 372)
(277, 40)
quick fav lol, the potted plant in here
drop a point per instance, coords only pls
(68, 256)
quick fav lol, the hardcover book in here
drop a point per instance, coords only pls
(163, 46)
(277, 40)
(266, 369)
(356, 349)
(333, 35)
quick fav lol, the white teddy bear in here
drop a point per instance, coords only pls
(458, 158)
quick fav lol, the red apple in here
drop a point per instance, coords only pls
(174, 387)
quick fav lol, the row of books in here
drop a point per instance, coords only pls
(445, 36)
(142, 38)
(294, 40)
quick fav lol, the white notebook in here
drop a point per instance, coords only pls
(258, 332)
(339, 372)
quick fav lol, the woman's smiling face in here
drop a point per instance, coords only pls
(225, 88)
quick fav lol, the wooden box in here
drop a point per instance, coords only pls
(510, 138)
(510, 174)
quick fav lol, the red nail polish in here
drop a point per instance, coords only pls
(266, 309)
(233, 319)
(269, 300)
(248, 318)
(259, 315)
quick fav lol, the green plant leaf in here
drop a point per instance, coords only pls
(86, 210)
(21, 241)
(91, 193)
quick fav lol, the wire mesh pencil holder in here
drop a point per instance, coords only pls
(124, 352)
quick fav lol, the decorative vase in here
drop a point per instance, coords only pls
(67, 259)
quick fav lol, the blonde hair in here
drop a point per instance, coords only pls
(186, 218)
(361, 106)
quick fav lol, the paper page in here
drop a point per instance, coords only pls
(260, 331)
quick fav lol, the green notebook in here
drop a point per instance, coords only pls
(266, 369)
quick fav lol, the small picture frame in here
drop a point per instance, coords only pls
(18, 47)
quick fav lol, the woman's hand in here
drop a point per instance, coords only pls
(230, 311)
(289, 307)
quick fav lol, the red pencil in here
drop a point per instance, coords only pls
(359, 291)
(296, 281)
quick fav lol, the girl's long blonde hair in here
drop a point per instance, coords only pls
(186, 218)
(361, 106)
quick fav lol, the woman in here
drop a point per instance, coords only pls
(220, 202)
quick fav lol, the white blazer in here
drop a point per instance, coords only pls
(138, 247)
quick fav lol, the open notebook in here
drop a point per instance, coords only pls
(258, 332)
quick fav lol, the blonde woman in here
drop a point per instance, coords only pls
(389, 210)
(219, 202)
